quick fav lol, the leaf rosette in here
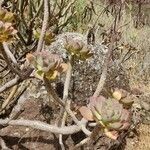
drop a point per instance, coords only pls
(109, 113)
(46, 63)
(78, 49)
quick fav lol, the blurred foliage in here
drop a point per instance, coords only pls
(7, 30)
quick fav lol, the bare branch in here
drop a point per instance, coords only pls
(9, 58)
(3, 145)
(104, 73)
(42, 126)
(9, 98)
(52, 92)
(65, 99)
(9, 84)
(44, 26)
(9, 53)
(67, 81)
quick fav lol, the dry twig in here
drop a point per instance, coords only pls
(44, 26)
(9, 84)
(9, 98)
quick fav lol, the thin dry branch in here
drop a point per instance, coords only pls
(22, 98)
(9, 84)
(68, 7)
(67, 81)
(44, 25)
(9, 58)
(52, 92)
(84, 141)
(9, 53)
(38, 11)
(9, 98)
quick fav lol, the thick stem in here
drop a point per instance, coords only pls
(104, 70)
(42, 126)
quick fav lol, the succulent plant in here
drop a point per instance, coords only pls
(49, 36)
(7, 30)
(109, 113)
(103, 110)
(46, 63)
(78, 49)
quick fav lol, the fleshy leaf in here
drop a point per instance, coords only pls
(118, 94)
(78, 49)
(111, 134)
(86, 113)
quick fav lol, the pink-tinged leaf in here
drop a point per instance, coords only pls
(64, 67)
(95, 100)
(86, 113)
(125, 115)
(30, 57)
(111, 134)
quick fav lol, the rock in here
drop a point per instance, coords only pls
(145, 105)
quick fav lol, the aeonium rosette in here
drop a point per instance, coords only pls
(46, 63)
(109, 113)
(78, 49)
